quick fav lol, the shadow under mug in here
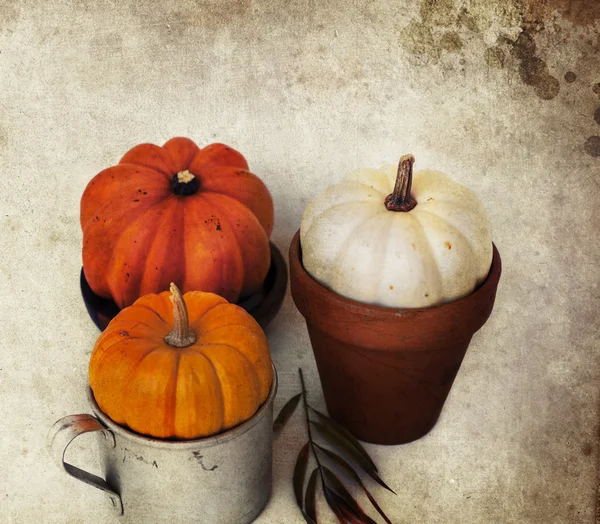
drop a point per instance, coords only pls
(224, 479)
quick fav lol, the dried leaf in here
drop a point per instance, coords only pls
(309, 499)
(375, 505)
(340, 442)
(340, 462)
(343, 511)
(286, 412)
(330, 497)
(375, 476)
(334, 483)
(344, 432)
(307, 518)
(352, 519)
(350, 473)
(300, 472)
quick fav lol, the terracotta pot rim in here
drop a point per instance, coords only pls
(314, 287)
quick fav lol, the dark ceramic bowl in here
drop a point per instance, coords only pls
(263, 305)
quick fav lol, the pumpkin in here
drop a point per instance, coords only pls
(388, 238)
(176, 213)
(184, 368)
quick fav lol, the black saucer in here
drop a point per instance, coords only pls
(263, 305)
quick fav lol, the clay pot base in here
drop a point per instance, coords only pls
(263, 305)
(386, 372)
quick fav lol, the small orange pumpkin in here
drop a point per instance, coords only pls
(177, 213)
(186, 368)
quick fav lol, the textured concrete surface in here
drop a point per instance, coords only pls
(501, 94)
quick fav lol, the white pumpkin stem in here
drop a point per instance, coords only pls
(182, 335)
(401, 199)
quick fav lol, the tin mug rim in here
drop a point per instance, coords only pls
(205, 442)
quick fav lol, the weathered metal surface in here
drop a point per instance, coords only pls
(225, 479)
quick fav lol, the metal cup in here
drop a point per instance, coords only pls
(224, 479)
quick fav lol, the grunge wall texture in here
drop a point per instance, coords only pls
(502, 95)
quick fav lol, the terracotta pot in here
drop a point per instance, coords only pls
(386, 372)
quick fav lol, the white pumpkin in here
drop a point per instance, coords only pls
(354, 242)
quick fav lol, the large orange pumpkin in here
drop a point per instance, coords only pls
(176, 213)
(187, 369)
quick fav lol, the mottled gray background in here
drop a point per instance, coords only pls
(502, 95)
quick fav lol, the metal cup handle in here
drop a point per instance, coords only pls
(62, 433)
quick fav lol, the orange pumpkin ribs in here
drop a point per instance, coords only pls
(183, 367)
(176, 213)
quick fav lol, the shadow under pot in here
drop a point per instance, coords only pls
(386, 372)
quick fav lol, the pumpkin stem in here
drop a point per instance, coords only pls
(181, 336)
(401, 199)
(184, 183)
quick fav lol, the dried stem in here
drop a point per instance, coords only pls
(310, 437)
(401, 199)
(182, 335)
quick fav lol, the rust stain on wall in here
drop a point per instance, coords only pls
(570, 77)
(417, 38)
(495, 57)
(442, 22)
(451, 42)
(532, 69)
(580, 12)
(441, 27)
(445, 26)
(592, 146)
(438, 12)
(422, 38)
